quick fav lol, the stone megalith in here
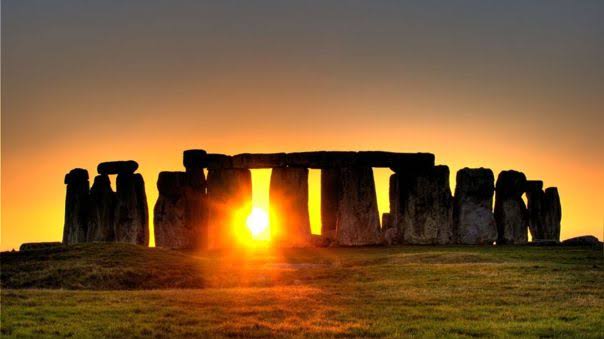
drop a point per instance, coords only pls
(473, 219)
(357, 219)
(288, 197)
(423, 205)
(131, 212)
(180, 213)
(229, 203)
(194, 159)
(552, 214)
(117, 167)
(511, 215)
(102, 210)
(331, 193)
(76, 206)
(535, 199)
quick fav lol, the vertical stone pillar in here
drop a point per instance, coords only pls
(510, 211)
(102, 210)
(288, 196)
(131, 213)
(535, 199)
(331, 193)
(473, 219)
(76, 206)
(552, 214)
(229, 196)
(358, 221)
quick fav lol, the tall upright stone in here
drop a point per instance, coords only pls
(358, 221)
(511, 214)
(131, 212)
(180, 213)
(552, 214)
(535, 200)
(101, 226)
(229, 203)
(473, 219)
(288, 196)
(424, 206)
(76, 206)
(331, 193)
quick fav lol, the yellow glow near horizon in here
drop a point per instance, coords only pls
(257, 223)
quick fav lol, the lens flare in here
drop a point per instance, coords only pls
(257, 223)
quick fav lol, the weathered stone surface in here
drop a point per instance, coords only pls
(288, 196)
(219, 161)
(180, 213)
(535, 199)
(552, 214)
(358, 221)
(387, 221)
(229, 196)
(321, 159)
(33, 246)
(392, 236)
(585, 240)
(511, 214)
(331, 193)
(194, 159)
(473, 219)
(76, 206)
(258, 160)
(396, 161)
(131, 212)
(424, 206)
(101, 226)
(117, 167)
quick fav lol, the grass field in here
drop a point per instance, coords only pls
(128, 291)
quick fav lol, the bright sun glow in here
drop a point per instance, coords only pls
(257, 223)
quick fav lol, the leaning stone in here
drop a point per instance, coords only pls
(585, 240)
(229, 203)
(102, 211)
(358, 220)
(331, 193)
(219, 161)
(194, 159)
(34, 246)
(321, 159)
(131, 213)
(473, 218)
(117, 167)
(288, 196)
(552, 214)
(535, 200)
(259, 160)
(77, 202)
(511, 214)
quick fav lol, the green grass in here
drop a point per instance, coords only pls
(129, 291)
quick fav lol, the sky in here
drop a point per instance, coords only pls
(499, 84)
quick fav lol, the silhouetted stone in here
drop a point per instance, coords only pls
(358, 221)
(180, 213)
(585, 240)
(76, 206)
(194, 159)
(552, 214)
(535, 199)
(321, 159)
(424, 206)
(387, 221)
(117, 167)
(258, 160)
(288, 196)
(331, 193)
(219, 161)
(131, 212)
(34, 246)
(101, 226)
(511, 215)
(229, 203)
(398, 161)
(473, 219)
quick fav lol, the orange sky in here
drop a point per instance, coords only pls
(514, 86)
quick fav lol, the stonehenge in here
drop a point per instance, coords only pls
(192, 213)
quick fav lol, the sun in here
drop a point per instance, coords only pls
(257, 223)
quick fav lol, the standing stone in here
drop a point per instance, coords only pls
(131, 212)
(552, 214)
(180, 213)
(229, 203)
(194, 159)
(511, 215)
(535, 200)
(358, 220)
(76, 206)
(473, 219)
(288, 196)
(424, 206)
(331, 193)
(102, 211)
